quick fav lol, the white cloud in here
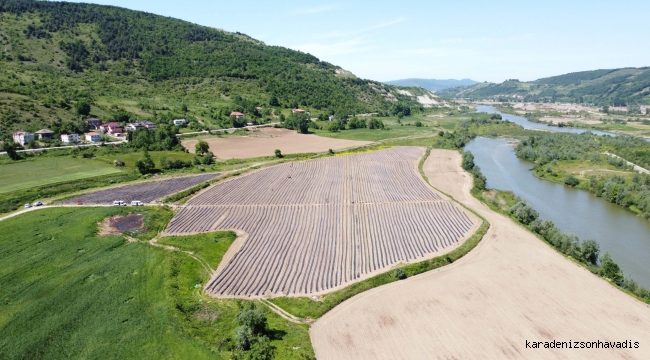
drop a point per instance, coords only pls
(331, 49)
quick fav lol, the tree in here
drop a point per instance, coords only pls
(83, 108)
(571, 180)
(184, 108)
(418, 123)
(252, 318)
(609, 269)
(244, 337)
(278, 153)
(274, 101)
(399, 273)
(524, 213)
(589, 251)
(468, 160)
(208, 158)
(145, 165)
(10, 147)
(118, 162)
(201, 147)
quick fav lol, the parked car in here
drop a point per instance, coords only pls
(137, 203)
(38, 203)
(119, 203)
(28, 205)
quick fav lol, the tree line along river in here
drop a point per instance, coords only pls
(624, 235)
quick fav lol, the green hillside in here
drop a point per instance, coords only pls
(617, 87)
(125, 64)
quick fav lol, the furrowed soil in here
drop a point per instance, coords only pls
(511, 289)
(267, 140)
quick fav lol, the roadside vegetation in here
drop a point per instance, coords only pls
(104, 290)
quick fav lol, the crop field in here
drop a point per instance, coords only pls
(145, 192)
(319, 225)
(44, 171)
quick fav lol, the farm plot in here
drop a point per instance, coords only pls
(319, 225)
(145, 192)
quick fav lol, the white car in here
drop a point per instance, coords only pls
(137, 203)
(38, 203)
(28, 205)
(119, 203)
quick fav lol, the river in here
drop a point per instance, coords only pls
(624, 235)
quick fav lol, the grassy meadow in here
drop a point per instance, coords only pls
(45, 171)
(69, 293)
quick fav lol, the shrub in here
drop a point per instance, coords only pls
(330, 151)
(145, 165)
(201, 147)
(418, 123)
(524, 213)
(399, 273)
(571, 180)
(243, 337)
(118, 162)
(610, 270)
(253, 319)
(278, 153)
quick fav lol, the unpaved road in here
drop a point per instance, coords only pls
(511, 289)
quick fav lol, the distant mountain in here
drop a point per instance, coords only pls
(432, 84)
(616, 87)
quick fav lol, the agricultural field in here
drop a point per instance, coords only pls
(146, 192)
(131, 158)
(42, 171)
(510, 289)
(312, 227)
(265, 141)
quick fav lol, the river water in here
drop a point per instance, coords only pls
(624, 235)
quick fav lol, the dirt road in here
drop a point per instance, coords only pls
(510, 291)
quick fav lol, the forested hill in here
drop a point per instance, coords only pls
(617, 87)
(131, 64)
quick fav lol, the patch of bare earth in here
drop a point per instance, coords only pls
(266, 140)
(116, 225)
(510, 290)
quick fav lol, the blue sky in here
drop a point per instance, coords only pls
(481, 40)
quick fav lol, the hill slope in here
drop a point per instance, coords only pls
(616, 87)
(432, 84)
(130, 64)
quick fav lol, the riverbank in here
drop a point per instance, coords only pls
(510, 289)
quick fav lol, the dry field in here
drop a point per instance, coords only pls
(319, 225)
(511, 288)
(146, 192)
(266, 140)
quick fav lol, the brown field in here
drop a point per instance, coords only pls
(266, 140)
(316, 226)
(511, 288)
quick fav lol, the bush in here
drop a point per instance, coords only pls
(418, 123)
(278, 153)
(610, 270)
(145, 165)
(201, 147)
(524, 213)
(330, 151)
(118, 162)
(399, 273)
(244, 337)
(571, 180)
(253, 319)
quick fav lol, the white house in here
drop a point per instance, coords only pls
(134, 126)
(180, 122)
(69, 138)
(93, 137)
(23, 137)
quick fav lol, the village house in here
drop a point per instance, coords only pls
(45, 134)
(298, 111)
(23, 137)
(94, 123)
(134, 126)
(93, 137)
(148, 124)
(111, 128)
(180, 122)
(237, 115)
(69, 138)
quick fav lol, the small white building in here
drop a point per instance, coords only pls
(69, 138)
(93, 137)
(134, 126)
(180, 122)
(23, 137)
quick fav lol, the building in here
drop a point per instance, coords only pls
(23, 137)
(149, 125)
(94, 123)
(134, 126)
(93, 137)
(69, 138)
(111, 128)
(298, 111)
(45, 134)
(237, 115)
(180, 122)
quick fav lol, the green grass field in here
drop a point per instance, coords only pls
(68, 293)
(131, 158)
(50, 170)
